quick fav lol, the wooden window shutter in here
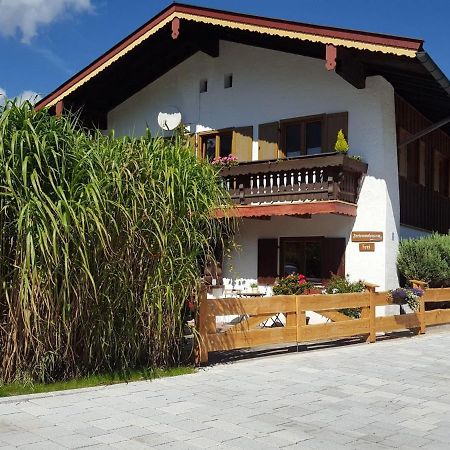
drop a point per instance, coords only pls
(243, 143)
(413, 162)
(333, 257)
(267, 260)
(334, 123)
(192, 139)
(443, 177)
(268, 140)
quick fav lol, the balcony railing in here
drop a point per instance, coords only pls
(327, 176)
(423, 207)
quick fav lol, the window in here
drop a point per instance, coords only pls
(316, 257)
(302, 136)
(301, 255)
(203, 86)
(216, 144)
(228, 81)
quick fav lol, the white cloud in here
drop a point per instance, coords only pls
(31, 96)
(25, 16)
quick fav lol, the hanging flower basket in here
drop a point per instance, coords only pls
(404, 296)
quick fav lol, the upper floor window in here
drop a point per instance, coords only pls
(302, 136)
(216, 144)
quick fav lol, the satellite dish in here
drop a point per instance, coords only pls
(169, 119)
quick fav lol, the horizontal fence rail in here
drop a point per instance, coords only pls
(253, 312)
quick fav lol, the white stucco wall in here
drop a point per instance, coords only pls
(269, 86)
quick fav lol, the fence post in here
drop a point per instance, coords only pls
(372, 312)
(301, 318)
(203, 316)
(417, 284)
(422, 315)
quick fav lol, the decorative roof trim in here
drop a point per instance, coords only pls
(350, 43)
(339, 37)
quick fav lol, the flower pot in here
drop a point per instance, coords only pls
(399, 301)
(187, 349)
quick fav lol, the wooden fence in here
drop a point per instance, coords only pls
(253, 312)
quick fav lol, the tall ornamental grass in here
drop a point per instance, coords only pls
(101, 243)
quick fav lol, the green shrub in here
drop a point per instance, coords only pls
(342, 285)
(426, 259)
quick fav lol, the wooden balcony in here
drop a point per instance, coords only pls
(424, 208)
(326, 177)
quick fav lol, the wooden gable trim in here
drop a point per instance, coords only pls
(175, 13)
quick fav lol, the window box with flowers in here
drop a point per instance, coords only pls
(225, 161)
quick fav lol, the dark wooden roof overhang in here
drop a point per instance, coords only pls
(180, 31)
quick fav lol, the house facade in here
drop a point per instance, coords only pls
(275, 94)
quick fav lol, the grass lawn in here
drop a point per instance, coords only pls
(7, 390)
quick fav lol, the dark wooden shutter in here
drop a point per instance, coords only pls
(333, 257)
(443, 177)
(413, 162)
(267, 260)
(268, 137)
(334, 123)
(243, 143)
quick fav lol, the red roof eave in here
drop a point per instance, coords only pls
(290, 209)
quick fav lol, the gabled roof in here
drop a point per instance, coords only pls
(199, 28)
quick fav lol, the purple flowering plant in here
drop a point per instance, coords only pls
(406, 296)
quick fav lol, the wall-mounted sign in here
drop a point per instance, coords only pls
(367, 236)
(367, 247)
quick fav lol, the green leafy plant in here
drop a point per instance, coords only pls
(426, 259)
(341, 143)
(342, 285)
(101, 244)
(294, 284)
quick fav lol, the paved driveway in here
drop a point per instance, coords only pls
(393, 394)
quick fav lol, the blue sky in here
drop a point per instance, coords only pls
(43, 46)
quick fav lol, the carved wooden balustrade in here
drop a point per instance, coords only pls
(327, 176)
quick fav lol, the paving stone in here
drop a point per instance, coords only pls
(74, 441)
(17, 438)
(110, 438)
